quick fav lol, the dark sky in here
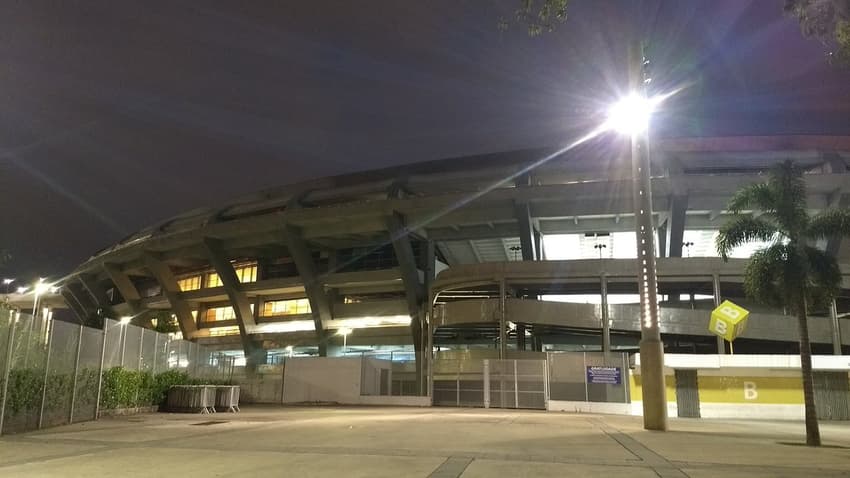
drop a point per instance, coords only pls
(117, 114)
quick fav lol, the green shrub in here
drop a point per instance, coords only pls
(24, 391)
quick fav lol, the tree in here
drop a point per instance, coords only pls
(789, 272)
(826, 20)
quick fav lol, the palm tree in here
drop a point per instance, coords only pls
(789, 272)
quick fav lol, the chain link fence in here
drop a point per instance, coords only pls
(55, 373)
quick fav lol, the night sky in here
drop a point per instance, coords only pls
(118, 114)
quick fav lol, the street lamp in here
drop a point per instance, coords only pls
(7, 283)
(631, 117)
(344, 332)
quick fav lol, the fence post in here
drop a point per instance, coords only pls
(10, 345)
(584, 373)
(100, 371)
(486, 383)
(76, 372)
(122, 338)
(155, 351)
(516, 387)
(51, 326)
(141, 349)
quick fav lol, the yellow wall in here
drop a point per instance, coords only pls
(637, 395)
(782, 390)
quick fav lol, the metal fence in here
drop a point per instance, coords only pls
(589, 377)
(51, 372)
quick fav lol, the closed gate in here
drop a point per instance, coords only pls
(515, 384)
(831, 390)
(687, 393)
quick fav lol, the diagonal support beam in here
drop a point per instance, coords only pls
(165, 277)
(97, 294)
(320, 304)
(74, 304)
(414, 290)
(254, 352)
(840, 199)
(127, 289)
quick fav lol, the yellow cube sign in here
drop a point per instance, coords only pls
(728, 320)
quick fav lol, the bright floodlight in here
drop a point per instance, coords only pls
(631, 114)
(344, 331)
(22, 290)
(8, 281)
(126, 319)
(41, 287)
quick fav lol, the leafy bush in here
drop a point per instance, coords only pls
(24, 391)
(124, 388)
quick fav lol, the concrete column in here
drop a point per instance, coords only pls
(836, 328)
(165, 277)
(715, 284)
(522, 211)
(254, 352)
(676, 224)
(414, 291)
(96, 292)
(606, 325)
(313, 286)
(126, 287)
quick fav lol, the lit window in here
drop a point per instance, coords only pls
(219, 331)
(245, 273)
(215, 314)
(189, 283)
(286, 307)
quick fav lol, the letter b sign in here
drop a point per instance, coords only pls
(728, 320)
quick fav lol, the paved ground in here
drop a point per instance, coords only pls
(436, 442)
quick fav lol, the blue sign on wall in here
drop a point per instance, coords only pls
(605, 375)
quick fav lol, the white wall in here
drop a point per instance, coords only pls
(322, 379)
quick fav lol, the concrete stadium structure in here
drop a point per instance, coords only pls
(464, 253)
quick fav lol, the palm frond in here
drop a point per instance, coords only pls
(824, 277)
(740, 230)
(789, 191)
(765, 276)
(829, 223)
(755, 196)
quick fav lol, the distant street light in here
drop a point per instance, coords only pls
(688, 245)
(599, 247)
(515, 250)
(7, 283)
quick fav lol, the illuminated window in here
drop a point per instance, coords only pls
(215, 314)
(286, 307)
(219, 331)
(245, 273)
(189, 283)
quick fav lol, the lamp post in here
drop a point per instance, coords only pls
(344, 332)
(7, 283)
(631, 117)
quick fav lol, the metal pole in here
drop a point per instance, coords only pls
(606, 325)
(51, 327)
(155, 351)
(76, 372)
(584, 371)
(123, 339)
(715, 284)
(836, 328)
(651, 347)
(141, 343)
(516, 387)
(503, 340)
(100, 370)
(486, 383)
(10, 344)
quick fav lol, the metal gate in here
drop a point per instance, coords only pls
(687, 393)
(831, 390)
(515, 384)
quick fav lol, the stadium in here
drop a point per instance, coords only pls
(507, 253)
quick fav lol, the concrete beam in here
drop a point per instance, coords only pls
(254, 353)
(74, 305)
(126, 288)
(526, 231)
(97, 294)
(676, 225)
(414, 289)
(320, 304)
(165, 277)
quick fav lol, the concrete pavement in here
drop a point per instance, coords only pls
(420, 442)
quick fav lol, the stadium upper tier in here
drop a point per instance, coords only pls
(288, 264)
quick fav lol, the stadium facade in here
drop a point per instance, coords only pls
(476, 252)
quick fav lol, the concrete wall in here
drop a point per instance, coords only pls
(322, 379)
